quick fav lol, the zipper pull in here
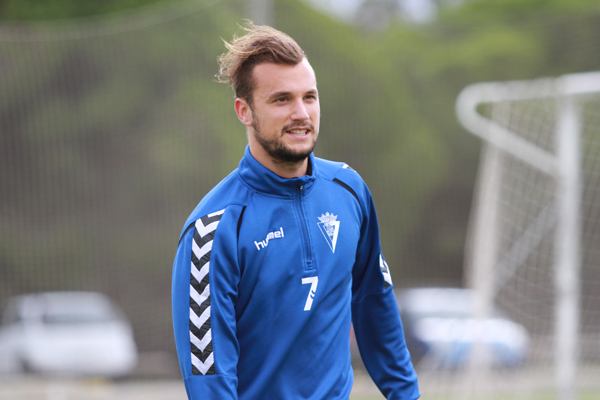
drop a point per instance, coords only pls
(301, 187)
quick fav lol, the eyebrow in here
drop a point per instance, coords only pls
(284, 94)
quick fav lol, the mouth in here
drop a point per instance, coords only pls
(298, 132)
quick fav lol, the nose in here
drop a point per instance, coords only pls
(299, 112)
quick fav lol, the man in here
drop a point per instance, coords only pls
(280, 257)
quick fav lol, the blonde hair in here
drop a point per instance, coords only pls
(260, 44)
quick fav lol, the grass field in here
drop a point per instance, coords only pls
(39, 388)
(534, 383)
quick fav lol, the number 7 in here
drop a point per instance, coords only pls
(314, 281)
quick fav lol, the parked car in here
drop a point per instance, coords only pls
(73, 333)
(441, 330)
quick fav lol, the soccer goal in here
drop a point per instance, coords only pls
(534, 238)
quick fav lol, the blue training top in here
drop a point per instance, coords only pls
(268, 276)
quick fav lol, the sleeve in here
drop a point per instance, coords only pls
(376, 318)
(204, 294)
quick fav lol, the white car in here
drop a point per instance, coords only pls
(442, 332)
(66, 333)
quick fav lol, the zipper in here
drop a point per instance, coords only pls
(303, 226)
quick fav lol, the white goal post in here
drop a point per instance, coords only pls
(485, 110)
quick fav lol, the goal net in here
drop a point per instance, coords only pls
(534, 243)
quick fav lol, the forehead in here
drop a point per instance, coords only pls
(273, 78)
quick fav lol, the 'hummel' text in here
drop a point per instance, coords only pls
(272, 235)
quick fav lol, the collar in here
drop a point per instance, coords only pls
(262, 179)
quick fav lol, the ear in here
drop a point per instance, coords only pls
(243, 111)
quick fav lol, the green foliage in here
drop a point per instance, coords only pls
(58, 9)
(503, 12)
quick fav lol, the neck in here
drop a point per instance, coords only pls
(283, 169)
(289, 169)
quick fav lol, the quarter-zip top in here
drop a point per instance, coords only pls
(268, 280)
(306, 241)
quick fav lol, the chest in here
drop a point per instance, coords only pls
(285, 240)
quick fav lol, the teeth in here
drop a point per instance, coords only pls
(298, 131)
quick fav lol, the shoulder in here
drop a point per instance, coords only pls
(223, 202)
(342, 174)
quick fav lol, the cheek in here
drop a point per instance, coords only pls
(316, 116)
(316, 110)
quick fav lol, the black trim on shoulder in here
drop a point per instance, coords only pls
(239, 225)
(190, 226)
(348, 188)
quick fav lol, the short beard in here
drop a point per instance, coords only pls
(277, 150)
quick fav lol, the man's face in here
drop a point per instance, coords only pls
(284, 117)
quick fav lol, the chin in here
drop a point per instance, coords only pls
(291, 155)
(302, 153)
(302, 148)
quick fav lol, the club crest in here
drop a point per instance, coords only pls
(330, 227)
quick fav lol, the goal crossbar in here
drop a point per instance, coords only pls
(492, 92)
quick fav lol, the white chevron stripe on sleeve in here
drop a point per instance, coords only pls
(201, 344)
(203, 367)
(216, 213)
(201, 251)
(199, 320)
(200, 298)
(200, 274)
(205, 230)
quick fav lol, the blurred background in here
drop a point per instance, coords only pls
(112, 128)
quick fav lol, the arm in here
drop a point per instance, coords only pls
(204, 291)
(376, 319)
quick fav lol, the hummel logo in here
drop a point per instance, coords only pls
(329, 227)
(272, 235)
